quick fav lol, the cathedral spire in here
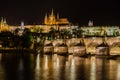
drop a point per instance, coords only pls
(52, 12)
(57, 15)
(46, 16)
(4, 21)
(22, 25)
(45, 19)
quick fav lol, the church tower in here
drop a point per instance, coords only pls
(52, 13)
(46, 19)
(22, 25)
(57, 15)
(3, 25)
(50, 19)
(90, 23)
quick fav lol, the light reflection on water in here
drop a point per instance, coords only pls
(0, 57)
(38, 62)
(93, 69)
(37, 68)
(57, 67)
(118, 71)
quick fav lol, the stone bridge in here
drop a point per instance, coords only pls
(92, 42)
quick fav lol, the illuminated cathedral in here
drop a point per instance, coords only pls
(52, 19)
(56, 22)
(3, 25)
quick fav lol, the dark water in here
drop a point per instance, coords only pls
(56, 67)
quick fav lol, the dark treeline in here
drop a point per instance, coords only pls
(12, 40)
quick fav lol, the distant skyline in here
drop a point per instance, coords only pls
(102, 12)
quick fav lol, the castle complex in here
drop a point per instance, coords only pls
(50, 21)
(54, 21)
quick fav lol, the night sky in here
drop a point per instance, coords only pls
(102, 12)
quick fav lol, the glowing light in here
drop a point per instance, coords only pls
(72, 74)
(37, 72)
(57, 63)
(93, 70)
(118, 72)
(72, 62)
(21, 64)
(54, 60)
(38, 62)
(0, 57)
(46, 62)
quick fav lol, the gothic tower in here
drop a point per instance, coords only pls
(46, 19)
(90, 23)
(50, 19)
(3, 25)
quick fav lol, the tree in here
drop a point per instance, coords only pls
(16, 31)
(27, 38)
(6, 37)
(78, 32)
(6, 34)
(52, 33)
(64, 33)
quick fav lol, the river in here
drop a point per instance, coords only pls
(57, 67)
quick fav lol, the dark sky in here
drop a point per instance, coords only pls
(102, 12)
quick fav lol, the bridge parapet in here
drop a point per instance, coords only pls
(92, 41)
(96, 41)
(57, 42)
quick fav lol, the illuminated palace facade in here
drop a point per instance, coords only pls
(54, 21)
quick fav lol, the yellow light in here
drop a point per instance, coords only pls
(38, 62)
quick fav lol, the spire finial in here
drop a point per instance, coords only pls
(22, 25)
(4, 21)
(57, 15)
(45, 19)
(46, 16)
(52, 13)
